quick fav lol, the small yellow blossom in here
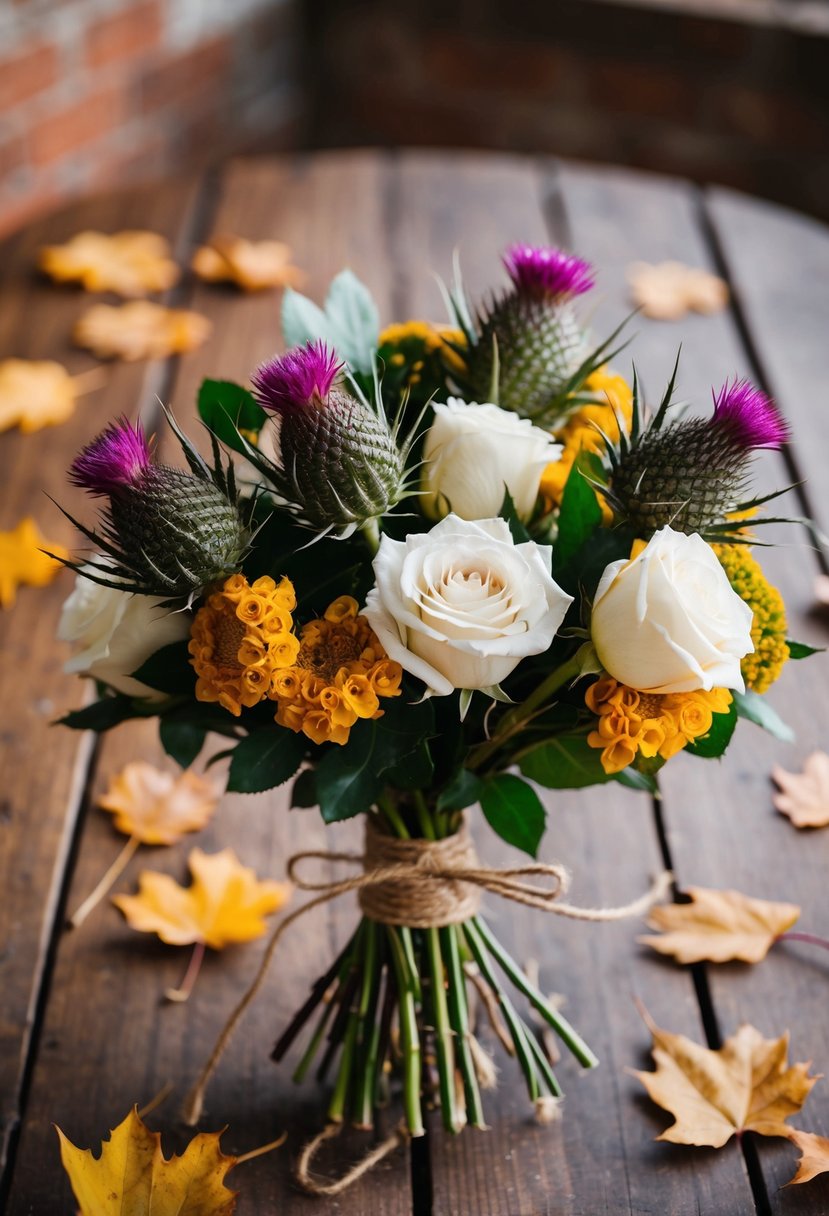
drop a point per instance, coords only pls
(422, 337)
(22, 560)
(768, 630)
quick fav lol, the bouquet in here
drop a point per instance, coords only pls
(424, 570)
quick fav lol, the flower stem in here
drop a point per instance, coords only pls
(331, 1000)
(443, 1032)
(371, 531)
(409, 1036)
(424, 819)
(394, 817)
(459, 1014)
(811, 939)
(181, 993)
(362, 1114)
(113, 873)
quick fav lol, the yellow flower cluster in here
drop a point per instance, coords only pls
(635, 723)
(768, 630)
(340, 674)
(614, 397)
(240, 638)
(430, 339)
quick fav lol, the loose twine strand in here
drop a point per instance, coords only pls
(421, 884)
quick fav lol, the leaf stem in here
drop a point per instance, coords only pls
(260, 1152)
(113, 873)
(811, 939)
(181, 993)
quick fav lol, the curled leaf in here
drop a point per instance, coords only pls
(130, 263)
(814, 1155)
(251, 265)
(34, 394)
(718, 926)
(140, 330)
(158, 807)
(804, 797)
(23, 561)
(669, 290)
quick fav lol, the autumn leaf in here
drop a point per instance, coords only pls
(130, 263)
(747, 1085)
(23, 560)
(251, 265)
(804, 797)
(814, 1157)
(34, 394)
(718, 926)
(158, 807)
(669, 290)
(140, 330)
(132, 1177)
(225, 903)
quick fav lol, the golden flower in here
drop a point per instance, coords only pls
(768, 631)
(423, 338)
(240, 638)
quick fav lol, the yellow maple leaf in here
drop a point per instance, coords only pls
(804, 797)
(668, 290)
(747, 1085)
(140, 330)
(225, 902)
(132, 1177)
(251, 265)
(130, 263)
(22, 560)
(718, 926)
(34, 394)
(158, 807)
(814, 1155)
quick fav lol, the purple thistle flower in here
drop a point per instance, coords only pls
(544, 271)
(297, 378)
(751, 418)
(116, 458)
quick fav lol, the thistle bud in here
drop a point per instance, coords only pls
(339, 465)
(690, 475)
(539, 341)
(169, 532)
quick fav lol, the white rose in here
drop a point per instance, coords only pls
(669, 620)
(462, 605)
(114, 632)
(472, 451)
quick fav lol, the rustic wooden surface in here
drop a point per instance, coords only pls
(83, 1035)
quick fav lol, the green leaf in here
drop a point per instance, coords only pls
(513, 810)
(350, 309)
(580, 513)
(800, 650)
(102, 715)
(462, 791)
(304, 793)
(712, 745)
(181, 739)
(303, 320)
(168, 670)
(635, 780)
(226, 407)
(508, 512)
(264, 759)
(567, 762)
(754, 708)
(415, 771)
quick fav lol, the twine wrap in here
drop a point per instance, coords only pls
(423, 888)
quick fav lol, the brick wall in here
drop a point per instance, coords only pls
(95, 93)
(679, 88)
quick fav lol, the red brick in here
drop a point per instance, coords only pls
(27, 73)
(124, 35)
(203, 70)
(76, 125)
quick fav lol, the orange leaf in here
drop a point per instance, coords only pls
(669, 290)
(158, 807)
(34, 394)
(804, 797)
(132, 1176)
(251, 265)
(22, 560)
(718, 926)
(225, 902)
(129, 263)
(140, 330)
(814, 1157)
(745, 1086)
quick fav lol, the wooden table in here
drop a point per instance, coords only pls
(83, 1032)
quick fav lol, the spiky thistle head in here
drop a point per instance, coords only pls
(339, 464)
(529, 342)
(691, 475)
(166, 532)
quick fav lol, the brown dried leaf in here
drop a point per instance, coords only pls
(804, 797)
(718, 926)
(668, 290)
(140, 330)
(23, 560)
(34, 394)
(814, 1157)
(251, 265)
(130, 263)
(158, 807)
(747, 1085)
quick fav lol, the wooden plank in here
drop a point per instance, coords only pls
(601, 1157)
(330, 209)
(44, 768)
(722, 831)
